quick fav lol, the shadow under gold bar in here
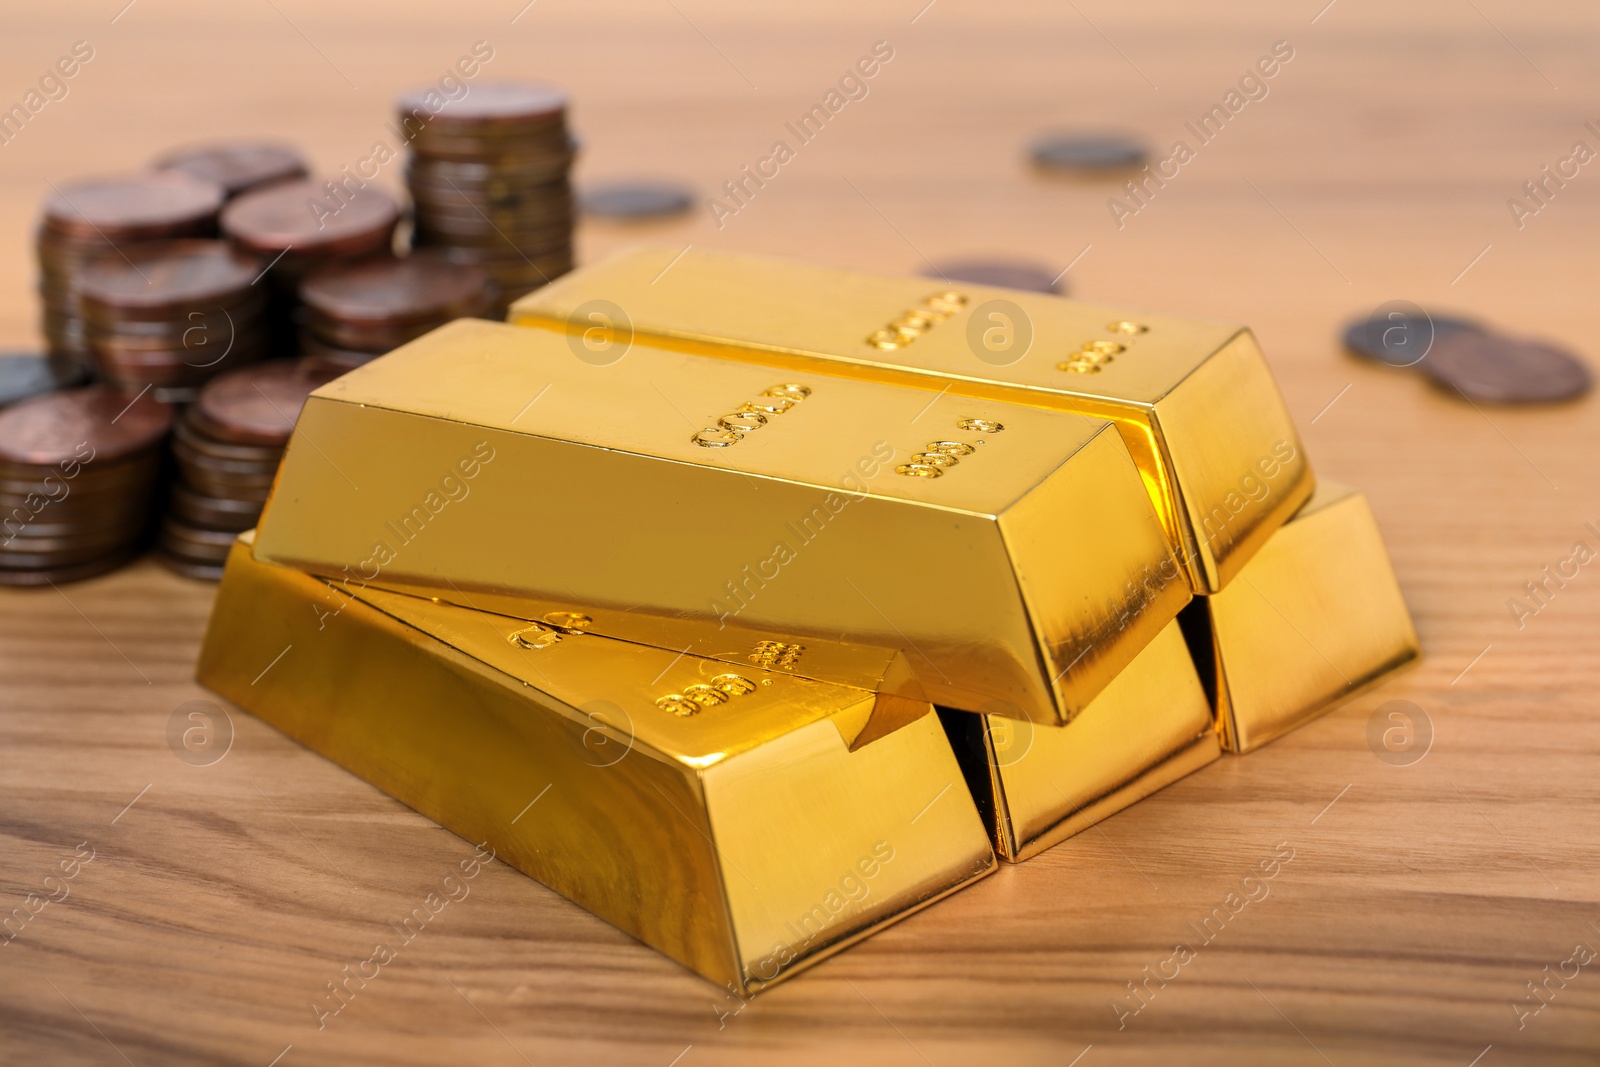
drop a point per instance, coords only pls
(1194, 400)
(1315, 618)
(745, 840)
(1037, 785)
(485, 463)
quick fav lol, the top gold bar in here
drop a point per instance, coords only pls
(1194, 400)
(484, 463)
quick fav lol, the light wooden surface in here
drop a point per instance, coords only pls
(1420, 899)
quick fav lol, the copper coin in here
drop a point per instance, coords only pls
(487, 103)
(75, 546)
(636, 200)
(171, 277)
(50, 429)
(136, 206)
(307, 217)
(1400, 334)
(192, 436)
(244, 473)
(29, 374)
(323, 358)
(71, 573)
(385, 292)
(202, 572)
(1002, 273)
(1505, 370)
(259, 404)
(214, 513)
(237, 166)
(173, 531)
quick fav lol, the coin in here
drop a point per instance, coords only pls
(307, 219)
(171, 278)
(636, 200)
(1400, 336)
(384, 293)
(488, 105)
(237, 166)
(1004, 273)
(30, 374)
(205, 572)
(1087, 153)
(257, 404)
(1505, 370)
(50, 429)
(60, 575)
(136, 206)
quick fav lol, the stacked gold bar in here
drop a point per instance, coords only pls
(660, 600)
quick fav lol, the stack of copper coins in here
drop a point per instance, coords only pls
(237, 166)
(488, 178)
(303, 226)
(354, 312)
(175, 314)
(79, 474)
(87, 220)
(227, 446)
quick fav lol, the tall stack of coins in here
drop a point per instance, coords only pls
(489, 180)
(227, 446)
(175, 314)
(79, 471)
(357, 311)
(237, 166)
(86, 220)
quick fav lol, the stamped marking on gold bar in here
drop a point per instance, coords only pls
(1092, 357)
(550, 631)
(751, 415)
(914, 322)
(776, 655)
(941, 455)
(694, 698)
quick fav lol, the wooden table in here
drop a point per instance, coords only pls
(1421, 899)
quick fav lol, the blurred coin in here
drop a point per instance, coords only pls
(488, 105)
(204, 572)
(136, 206)
(1004, 273)
(1505, 370)
(1400, 334)
(303, 218)
(237, 166)
(50, 429)
(421, 288)
(29, 374)
(636, 200)
(60, 575)
(257, 404)
(1087, 153)
(170, 278)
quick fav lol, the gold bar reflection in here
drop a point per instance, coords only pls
(1027, 568)
(744, 840)
(1315, 618)
(1194, 400)
(1037, 785)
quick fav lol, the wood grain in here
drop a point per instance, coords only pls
(1420, 899)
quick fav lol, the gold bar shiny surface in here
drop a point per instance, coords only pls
(1315, 618)
(1037, 785)
(743, 839)
(1195, 401)
(487, 460)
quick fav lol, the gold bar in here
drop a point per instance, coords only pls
(1194, 400)
(744, 840)
(1028, 568)
(1315, 618)
(1037, 785)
